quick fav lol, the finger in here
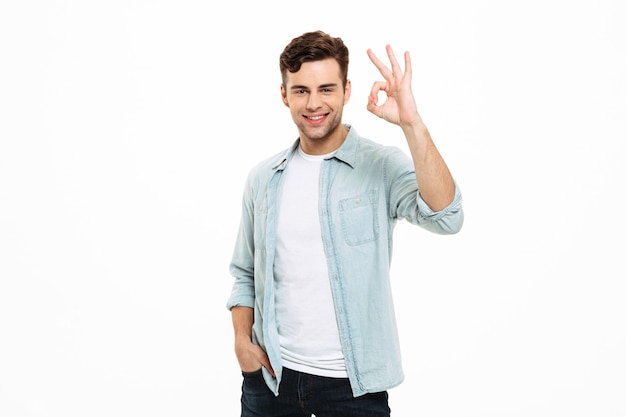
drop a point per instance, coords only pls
(408, 68)
(395, 66)
(379, 64)
(268, 366)
(372, 102)
(373, 108)
(265, 361)
(376, 88)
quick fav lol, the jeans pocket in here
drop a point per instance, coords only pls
(252, 374)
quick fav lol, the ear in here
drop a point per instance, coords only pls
(346, 92)
(283, 94)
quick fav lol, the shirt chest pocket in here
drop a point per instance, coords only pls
(359, 218)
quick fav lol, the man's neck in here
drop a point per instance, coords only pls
(325, 145)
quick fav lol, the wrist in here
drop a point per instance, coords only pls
(415, 130)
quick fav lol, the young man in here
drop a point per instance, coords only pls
(312, 311)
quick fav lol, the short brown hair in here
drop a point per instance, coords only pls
(314, 46)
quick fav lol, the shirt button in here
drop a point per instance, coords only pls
(358, 201)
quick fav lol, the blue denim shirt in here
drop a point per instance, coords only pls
(365, 188)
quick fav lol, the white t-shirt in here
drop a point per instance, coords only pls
(305, 313)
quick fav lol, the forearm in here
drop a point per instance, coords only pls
(243, 319)
(434, 179)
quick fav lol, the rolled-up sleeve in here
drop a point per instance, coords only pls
(405, 201)
(447, 221)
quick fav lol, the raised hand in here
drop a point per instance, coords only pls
(399, 106)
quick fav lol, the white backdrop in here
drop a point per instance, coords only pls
(127, 129)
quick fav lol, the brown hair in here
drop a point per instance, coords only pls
(314, 46)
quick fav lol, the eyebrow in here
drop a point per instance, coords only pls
(304, 87)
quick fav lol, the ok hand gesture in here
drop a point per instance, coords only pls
(399, 107)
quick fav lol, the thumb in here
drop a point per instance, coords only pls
(265, 361)
(373, 108)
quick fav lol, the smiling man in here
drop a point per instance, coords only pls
(315, 329)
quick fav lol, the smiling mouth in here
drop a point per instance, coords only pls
(316, 118)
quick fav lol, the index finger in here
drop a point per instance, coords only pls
(379, 64)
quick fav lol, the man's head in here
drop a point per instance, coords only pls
(315, 87)
(314, 46)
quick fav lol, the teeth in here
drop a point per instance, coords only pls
(315, 117)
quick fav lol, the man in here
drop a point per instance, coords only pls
(315, 331)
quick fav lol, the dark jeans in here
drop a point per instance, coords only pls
(302, 395)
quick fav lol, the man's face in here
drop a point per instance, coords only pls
(315, 96)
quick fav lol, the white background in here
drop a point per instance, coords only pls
(127, 129)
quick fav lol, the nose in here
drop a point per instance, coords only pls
(314, 102)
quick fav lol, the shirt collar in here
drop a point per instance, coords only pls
(346, 153)
(348, 149)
